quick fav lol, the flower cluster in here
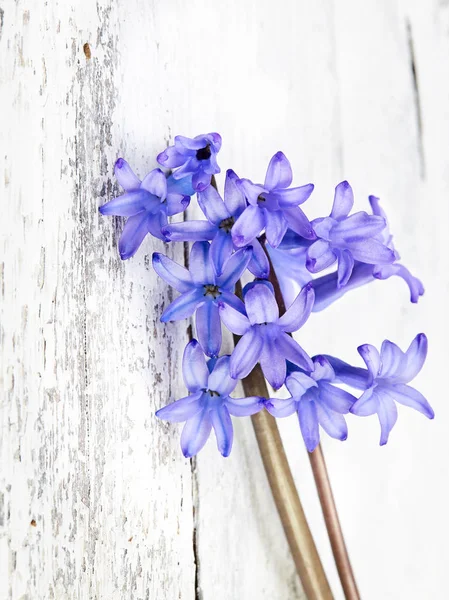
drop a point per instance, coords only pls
(260, 230)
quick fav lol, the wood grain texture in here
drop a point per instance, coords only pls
(96, 500)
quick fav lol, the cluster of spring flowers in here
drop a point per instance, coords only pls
(260, 228)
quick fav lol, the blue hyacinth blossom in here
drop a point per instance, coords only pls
(327, 290)
(209, 404)
(264, 334)
(202, 291)
(146, 203)
(273, 207)
(316, 401)
(193, 157)
(385, 381)
(221, 216)
(347, 238)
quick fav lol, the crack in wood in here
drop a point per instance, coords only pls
(416, 99)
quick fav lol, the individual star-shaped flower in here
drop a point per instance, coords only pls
(202, 291)
(209, 404)
(272, 207)
(147, 204)
(385, 381)
(264, 334)
(221, 216)
(196, 158)
(316, 401)
(347, 239)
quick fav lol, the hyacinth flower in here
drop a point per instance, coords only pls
(209, 405)
(347, 238)
(264, 334)
(327, 289)
(202, 291)
(195, 158)
(146, 203)
(273, 207)
(316, 401)
(385, 380)
(221, 216)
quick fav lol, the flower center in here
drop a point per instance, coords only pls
(212, 291)
(227, 224)
(261, 198)
(212, 393)
(204, 153)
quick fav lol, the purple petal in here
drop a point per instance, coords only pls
(246, 354)
(408, 396)
(188, 168)
(233, 197)
(190, 231)
(208, 327)
(353, 376)
(387, 414)
(232, 300)
(201, 180)
(359, 226)
(182, 409)
(415, 285)
(293, 352)
(299, 223)
(294, 196)
(222, 424)
(298, 312)
(259, 264)
(194, 367)
(320, 256)
(171, 158)
(174, 274)
(200, 266)
(212, 205)
(125, 176)
(298, 383)
(220, 380)
(156, 223)
(322, 369)
(234, 268)
(333, 423)
(155, 183)
(176, 203)
(345, 267)
(273, 363)
(372, 359)
(184, 306)
(392, 359)
(234, 320)
(195, 433)
(276, 226)
(134, 232)
(180, 186)
(372, 252)
(200, 141)
(127, 205)
(248, 226)
(245, 407)
(279, 172)
(308, 422)
(343, 200)
(220, 250)
(336, 399)
(261, 306)
(415, 357)
(281, 408)
(367, 404)
(251, 190)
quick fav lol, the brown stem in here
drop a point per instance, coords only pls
(285, 494)
(325, 494)
(333, 526)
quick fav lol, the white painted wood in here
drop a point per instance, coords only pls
(96, 500)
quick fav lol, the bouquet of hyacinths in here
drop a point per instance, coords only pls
(262, 229)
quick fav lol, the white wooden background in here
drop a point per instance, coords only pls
(96, 500)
